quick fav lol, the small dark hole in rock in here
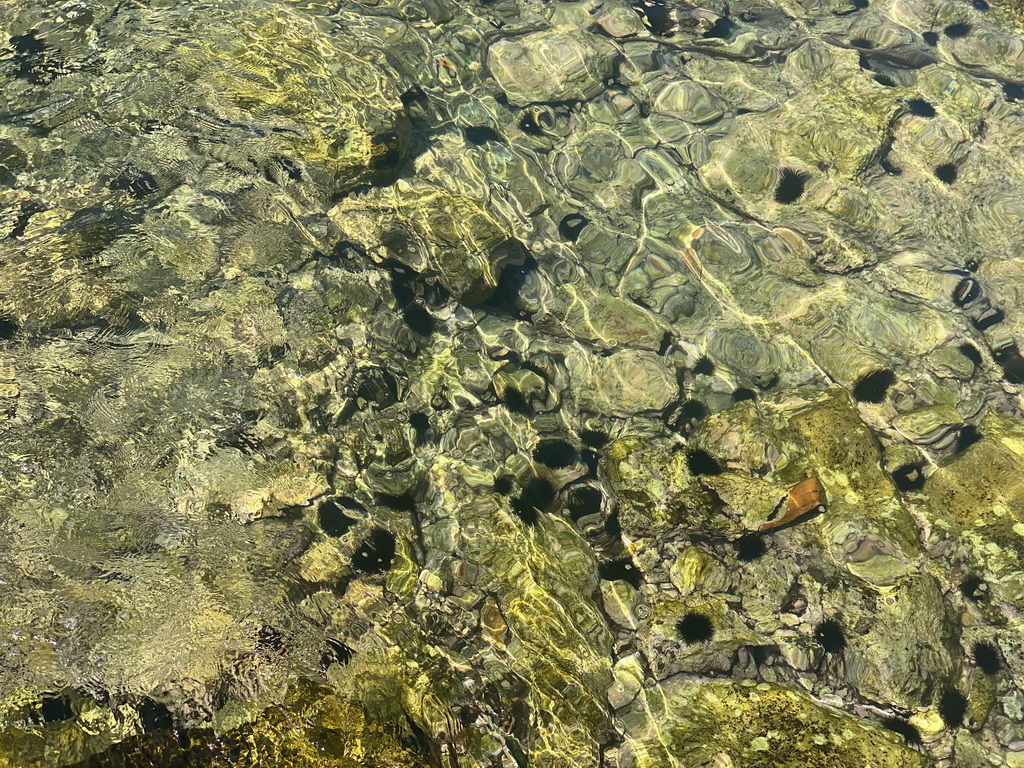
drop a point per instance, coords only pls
(908, 477)
(921, 108)
(56, 708)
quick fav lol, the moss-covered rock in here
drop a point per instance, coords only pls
(754, 726)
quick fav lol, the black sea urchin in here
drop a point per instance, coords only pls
(904, 728)
(952, 708)
(987, 658)
(829, 636)
(791, 185)
(695, 627)
(871, 388)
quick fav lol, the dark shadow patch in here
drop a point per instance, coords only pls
(419, 319)
(270, 638)
(591, 460)
(655, 15)
(889, 168)
(583, 501)
(386, 151)
(55, 709)
(403, 281)
(958, 31)
(904, 728)
(505, 298)
(621, 570)
(700, 462)
(861, 42)
(988, 318)
(722, 29)
(885, 80)
(980, 5)
(1013, 91)
(921, 108)
(332, 519)
(137, 183)
(400, 503)
(155, 716)
(872, 387)
(556, 454)
(529, 126)
(969, 435)
(791, 186)
(376, 553)
(666, 344)
(481, 134)
(695, 628)
(420, 423)
(612, 526)
(8, 328)
(337, 653)
(931, 38)
(570, 227)
(378, 386)
(829, 635)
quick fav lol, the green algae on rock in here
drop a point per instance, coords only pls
(752, 725)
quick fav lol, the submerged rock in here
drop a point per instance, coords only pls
(752, 725)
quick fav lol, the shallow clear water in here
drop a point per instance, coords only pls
(511, 383)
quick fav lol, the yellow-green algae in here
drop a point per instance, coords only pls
(685, 723)
(311, 728)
